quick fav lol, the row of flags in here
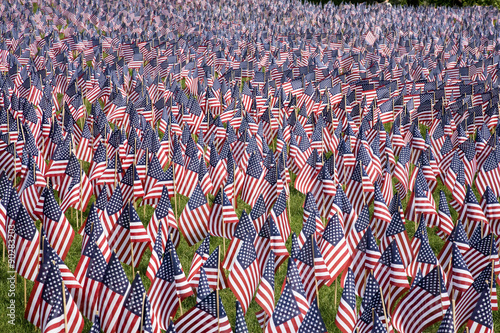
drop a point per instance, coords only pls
(118, 102)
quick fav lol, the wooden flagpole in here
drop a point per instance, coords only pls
(178, 297)
(314, 267)
(142, 311)
(64, 306)
(217, 291)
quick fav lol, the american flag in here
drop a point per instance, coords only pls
(481, 254)
(313, 322)
(468, 300)
(113, 210)
(471, 210)
(59, 231)
(253, 180)
(311, 220)
(459, 277)
(136, 314)
(359, 183)
(203, 289)
(428, 300)
(165, 215)
(215, 274)
(156, 254)
(96, 324)
(364, 259)
(371, 305)
(391, 274)
(207, 316)
(346, 315)
(481, 319)
(131, 185)
(312, 268)
(163, 293)
(445, 222)
(447, 324)
(200, 256)
(244, 229)
(49, 257)
(491, 208)
(156, 180)
(90, 272)
(54, 315)
(489, 175)
(396, 231)
(92, 231)
(186, 184)
(223, 218)
(280, 216)
(245, 273)
(381, 216)
(194, 217)
(265, 293)
(457, 237)
(334, 248)
(27, 243)
(115, 286)
(128, 238)
(359, 229)
(287, 316)
(241, 325)
(424, 259)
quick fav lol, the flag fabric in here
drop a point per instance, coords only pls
(346, 314)
(244, 230)
(391, 274)
(58, 229)
(334, 248)
(241, 325)
(200, 256)
(481, 319)
(459, 276)
(265, 293)
(27, 243)
(427, 299)
(54, 315)
(92, 266)
(245, 273)
(215, 274)
(128, 238)
(207, 316)
(194, 218)
(115, 286)
(136, 314)
(313, 322)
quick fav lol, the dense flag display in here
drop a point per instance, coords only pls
(357, 143)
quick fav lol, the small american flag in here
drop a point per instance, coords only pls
(346, 314)
(128, 238)
(59, 231)
(334, 248)
(27, 240)
(481, 319)
(136, 314)
(194, 217)
(241, 325)
(200, 256)
(207, 316)
(428, 301)
(245, 273)
(115, 286)
(53, 312)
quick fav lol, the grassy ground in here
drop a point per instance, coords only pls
(328, 299)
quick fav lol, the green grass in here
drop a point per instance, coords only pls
(329, 296)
